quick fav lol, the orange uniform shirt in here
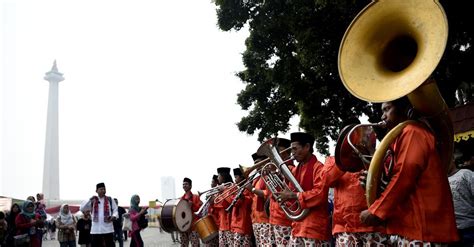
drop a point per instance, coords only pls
(417, 202)
(316, 223)
(277, 216)
(214, 213)
(196, 203)
(241, 215)
(258, 212)
(349, 200)
(224, 216)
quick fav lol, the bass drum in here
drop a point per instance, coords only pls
(176, 215)
(206, 228)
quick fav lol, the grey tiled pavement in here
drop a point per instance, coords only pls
(151, 237)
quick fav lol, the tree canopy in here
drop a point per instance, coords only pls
(291, 64)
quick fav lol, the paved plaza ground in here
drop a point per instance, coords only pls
(151, 237)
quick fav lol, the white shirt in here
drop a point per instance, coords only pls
(462, 187)
(100, 226)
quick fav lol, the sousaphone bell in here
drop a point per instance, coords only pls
(389, 51)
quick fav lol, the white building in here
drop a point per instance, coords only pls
(168, 190)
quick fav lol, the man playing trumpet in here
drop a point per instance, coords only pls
(225, 236)
(241, 224)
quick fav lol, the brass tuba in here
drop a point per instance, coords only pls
(292, 209)
(390, 50)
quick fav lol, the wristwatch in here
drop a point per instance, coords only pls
(253, 190)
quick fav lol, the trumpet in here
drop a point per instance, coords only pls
(215, 190)
(234, 189)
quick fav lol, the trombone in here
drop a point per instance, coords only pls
(234, 189)
(215, 190)
(246, 171)
(241, 190)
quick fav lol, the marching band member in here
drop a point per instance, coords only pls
(349, 201)
(312, 230)
(417, 205)
(241, 224)
(195, 204)
(260, 222)
(280, 224)
(213, 212)
(225, 236)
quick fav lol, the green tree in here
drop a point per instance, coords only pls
(291, 64)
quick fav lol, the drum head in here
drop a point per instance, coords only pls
(176, 215)
(183, 216)
(206, 228)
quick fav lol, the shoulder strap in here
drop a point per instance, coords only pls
(111, 205)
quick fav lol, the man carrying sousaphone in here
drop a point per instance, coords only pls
(416, 206)
(313, 229)
(195, 203)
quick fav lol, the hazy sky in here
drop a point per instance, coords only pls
(149, 91)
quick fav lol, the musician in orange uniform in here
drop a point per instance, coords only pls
(349, 201)
(241, 224)
(213, 212)
(280, 224)
(417, 205)
(313, 229)
(195, 204)
(260, 222)
(225, 235)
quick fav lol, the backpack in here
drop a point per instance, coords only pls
(142, 222)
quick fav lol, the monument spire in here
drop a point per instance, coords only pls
(51, 149)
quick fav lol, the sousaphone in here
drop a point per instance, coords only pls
(389, 51)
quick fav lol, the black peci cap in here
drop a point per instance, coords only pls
(302, 138)
(256, 157)
(283, 142)
(237, 172)
(189, 181)
(100, 185)
(223, 170)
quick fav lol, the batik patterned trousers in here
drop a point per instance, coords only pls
(282, 235)
(213, 242)
(187, 237)
(262, 232)
(400, 241)
(361, 239)
(241, 240)
(299, 241)
(225, 238)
